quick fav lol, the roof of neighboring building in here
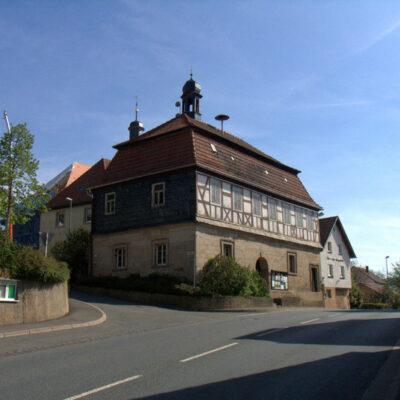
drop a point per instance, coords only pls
(77, 190)
(185, 142)
(368, 278)
(66, 177)
(325, 228)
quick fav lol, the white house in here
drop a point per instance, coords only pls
(335, 263)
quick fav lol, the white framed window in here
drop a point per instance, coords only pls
(330, 271)
(158, 194)
(110, 203)
(119, 255)
(237, 198)
(256, 197)
(88, 215)
(329, 247)
(342, 273)
(227, 248)
(161, 253)
(299, 217)
(310, 221)
(272, 209)
(292, 263)
(8, 290)
(286, 213)
(60, 218)
(340, 250)
(215, 185)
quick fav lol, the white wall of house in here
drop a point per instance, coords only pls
(57, 232)
(337, 261)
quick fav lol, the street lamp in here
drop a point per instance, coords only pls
(70, 213)
(387, 276)
(386, 258)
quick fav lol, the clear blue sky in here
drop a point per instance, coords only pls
(315, 84)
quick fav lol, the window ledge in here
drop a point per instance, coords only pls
(9, 301)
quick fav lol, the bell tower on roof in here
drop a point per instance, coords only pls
(136, 127)
(191, 98)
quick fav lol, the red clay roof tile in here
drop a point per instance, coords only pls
(77, 190)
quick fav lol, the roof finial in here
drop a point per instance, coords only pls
(136, 109)
(191, 74)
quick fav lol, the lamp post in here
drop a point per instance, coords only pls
(70, 213)
(387, 276)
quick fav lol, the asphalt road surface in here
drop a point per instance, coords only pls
(145, 352)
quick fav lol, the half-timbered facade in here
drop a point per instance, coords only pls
(183, 192)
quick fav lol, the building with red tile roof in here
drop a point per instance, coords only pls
(185, 191)
(71, 208)
(371, 285)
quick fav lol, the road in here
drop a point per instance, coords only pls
(145, 352)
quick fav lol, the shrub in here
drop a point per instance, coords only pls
(374, 306)
(8, 253)
(21, 262)
(225, 277)
(32, 265)
(75, 251)
(356, 296)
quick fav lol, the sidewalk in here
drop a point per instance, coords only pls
(80, 315)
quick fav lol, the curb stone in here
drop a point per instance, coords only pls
(47, 329)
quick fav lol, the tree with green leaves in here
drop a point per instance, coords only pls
(20, 193)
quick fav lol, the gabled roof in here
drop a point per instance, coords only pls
(66, 177)
(367, 278)
(184, 121)
(77, 190)
(184, 142)
(325, 228)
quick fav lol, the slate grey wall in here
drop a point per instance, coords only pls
(134, 204)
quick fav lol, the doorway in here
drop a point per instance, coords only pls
(262, 268)
(314, 278)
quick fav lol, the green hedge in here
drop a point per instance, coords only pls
(20, 262)
(374, 306)
(223, 276)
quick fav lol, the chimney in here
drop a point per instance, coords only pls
(366, 269)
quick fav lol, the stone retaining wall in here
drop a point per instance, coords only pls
(35, 302)
(196, 303)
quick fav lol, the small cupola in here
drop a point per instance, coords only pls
(136, 127)
(191, 98)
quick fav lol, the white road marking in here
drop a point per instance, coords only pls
(333, 315)
(311, 320)
(209, 352)
(269, 332)
(79, 396)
